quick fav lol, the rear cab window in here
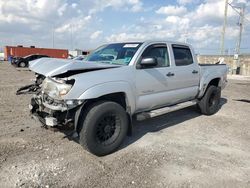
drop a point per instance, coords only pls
(182, 55)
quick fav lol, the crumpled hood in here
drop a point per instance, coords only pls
(53, 66)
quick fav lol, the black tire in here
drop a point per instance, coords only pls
(210, 102)
(104, 127)
(22, 64)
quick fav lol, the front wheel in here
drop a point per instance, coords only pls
(104, 128)
(209, 104)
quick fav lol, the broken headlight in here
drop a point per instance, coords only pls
(56, 88)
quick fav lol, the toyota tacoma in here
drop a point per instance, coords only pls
(119, 82)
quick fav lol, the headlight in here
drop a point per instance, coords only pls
(56, 88)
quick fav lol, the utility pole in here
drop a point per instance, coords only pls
(242, 12)
(237, 49)
(224, 29)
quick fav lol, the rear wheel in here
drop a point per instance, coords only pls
(209, 104)
(22, 64)
(104, 128)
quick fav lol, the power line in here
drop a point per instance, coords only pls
(233, 7)
(247, 20)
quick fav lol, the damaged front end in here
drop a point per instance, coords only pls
(54, 80)
(49, 105)
(32, 88)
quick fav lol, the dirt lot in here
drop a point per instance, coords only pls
(180, 149)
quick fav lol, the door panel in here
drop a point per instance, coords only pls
(161, 99)
(151, 85)
(152, 82)
(184, 78)
(186, 73)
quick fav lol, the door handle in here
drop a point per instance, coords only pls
(195, 72)
(170, 74)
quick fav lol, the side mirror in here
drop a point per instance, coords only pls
(148, 62)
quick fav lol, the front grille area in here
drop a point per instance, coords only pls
(49, 100)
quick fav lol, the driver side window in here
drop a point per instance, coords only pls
(159, 52)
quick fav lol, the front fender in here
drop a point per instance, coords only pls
(111, 87)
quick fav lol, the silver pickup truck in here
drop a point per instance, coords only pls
(119, 82)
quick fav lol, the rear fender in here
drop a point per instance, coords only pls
(206, 81)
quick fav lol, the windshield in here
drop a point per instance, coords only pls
(119, 53)
(27, 56)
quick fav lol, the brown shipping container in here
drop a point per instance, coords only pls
(24, 51)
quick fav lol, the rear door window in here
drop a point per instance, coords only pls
(182, 55)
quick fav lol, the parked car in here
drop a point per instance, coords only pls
(143, 80)
(13, 59)
(70, 56)
(24, 61)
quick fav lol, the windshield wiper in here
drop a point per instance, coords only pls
(118, 64)
(106, 62)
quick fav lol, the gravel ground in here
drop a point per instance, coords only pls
(180, 149)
